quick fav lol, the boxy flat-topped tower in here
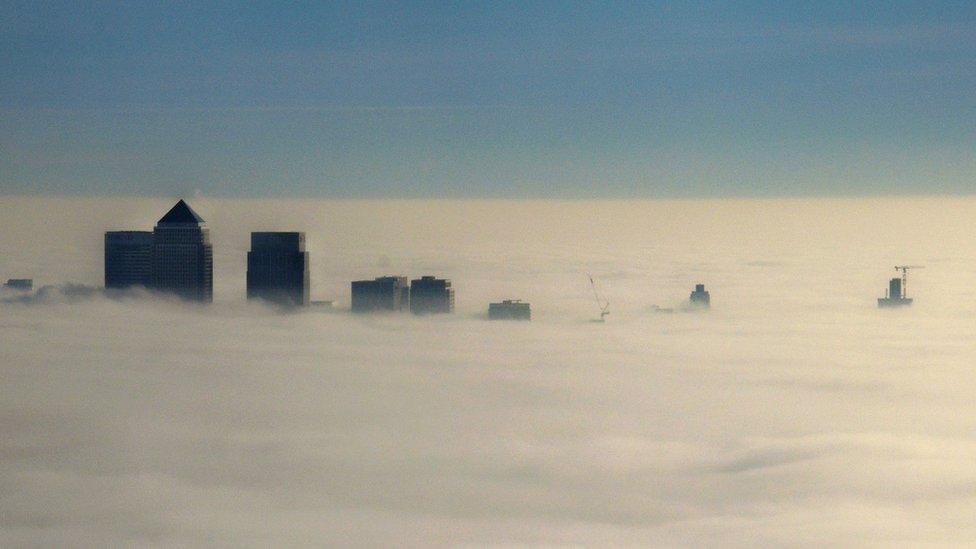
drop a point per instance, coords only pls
(430, 295)
(277, 268)
(20, 284)
(182, 257)
(510, 309)
(386, 293)
(896, 295)
(128, 259)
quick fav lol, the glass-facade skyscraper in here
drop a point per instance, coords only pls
(278, 269)
(182, 257)
(128, 259)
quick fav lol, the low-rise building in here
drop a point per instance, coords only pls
(21, 284)
(386, 293)
(509, 309)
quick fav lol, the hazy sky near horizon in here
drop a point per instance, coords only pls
(500, 99)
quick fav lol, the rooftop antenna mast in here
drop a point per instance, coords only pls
(904, 277)
(601, 302)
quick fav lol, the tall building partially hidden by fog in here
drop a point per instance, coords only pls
(387, 293)
(277, 268)
(700, 297)
(128, 259)
(182, 257)
(429, 295)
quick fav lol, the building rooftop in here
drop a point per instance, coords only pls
(181, 213)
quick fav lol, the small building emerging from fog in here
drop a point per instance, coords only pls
(278, 268)
(176, 257)
(386, 293)
(509, 309)
(700, 297)
(21, 284)
(128, 259)
(430, 295)
(896, 295)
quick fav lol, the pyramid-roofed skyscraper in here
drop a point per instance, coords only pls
(182, 257)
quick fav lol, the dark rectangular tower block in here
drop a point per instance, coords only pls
(128, 259)
(387, 293)
(278, 268)
(429, 295)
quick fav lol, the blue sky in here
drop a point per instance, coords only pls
(488, 99)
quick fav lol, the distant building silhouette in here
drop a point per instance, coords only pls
(896, 295)
(509, 309)
(699, 297)
(128, 259)
(277, 268)
(387, 293)
(22, 284)
(182, 257)
(429, 295)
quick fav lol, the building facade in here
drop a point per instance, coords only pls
(430, 295)
(509, 309)
(278, 268)
(128, 259)
(387, 293)
(182, 257)
(20, 284)
(700, 297)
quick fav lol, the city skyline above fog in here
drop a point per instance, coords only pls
(795, 412)
(487, 273)
(549, 99)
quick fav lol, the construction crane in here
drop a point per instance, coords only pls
(602, 303)
(904, 277)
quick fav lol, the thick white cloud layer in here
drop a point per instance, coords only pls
(795, 412)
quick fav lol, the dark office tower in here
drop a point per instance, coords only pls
(182, 257)
(388, 293)
(700, 297)
(277, 268)
(431, 295)
(128, 259)
(894, 289)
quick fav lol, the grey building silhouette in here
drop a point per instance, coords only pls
(700, 297)
(22, 284)
(128, 259)
(429, 295)
(277, 268)
(509, 309)
(896, 295)
(182, 257)
(387, 293)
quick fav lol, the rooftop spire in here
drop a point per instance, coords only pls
(181, 213)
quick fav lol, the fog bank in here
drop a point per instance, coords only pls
(794, 412)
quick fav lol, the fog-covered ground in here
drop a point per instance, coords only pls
(795, 412)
